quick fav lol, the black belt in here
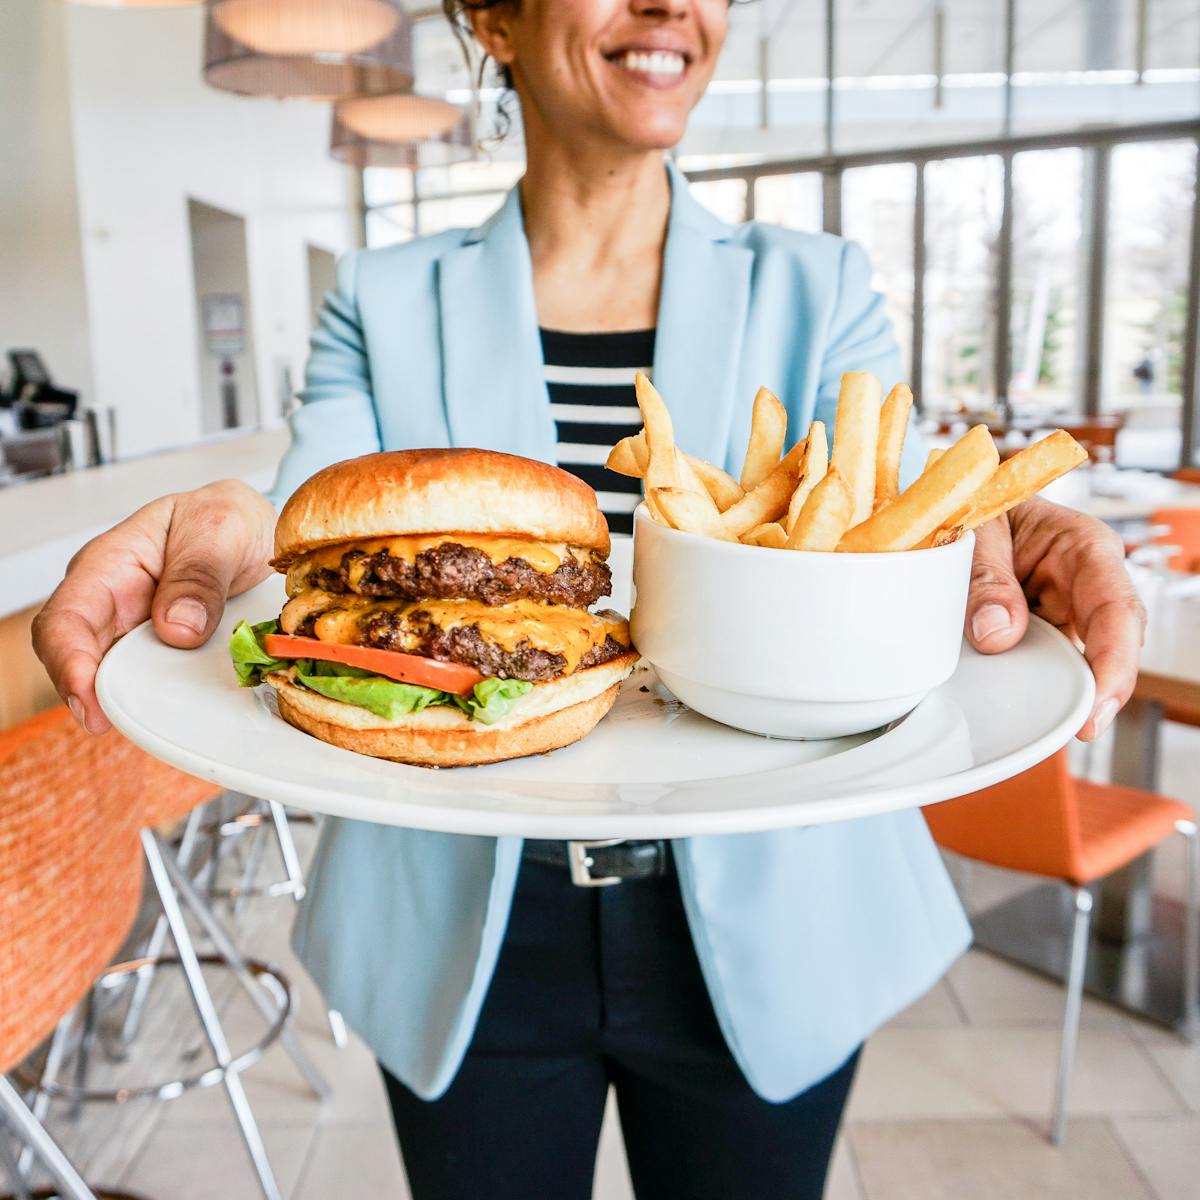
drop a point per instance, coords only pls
(602, 863)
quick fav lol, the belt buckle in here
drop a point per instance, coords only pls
(581, 863)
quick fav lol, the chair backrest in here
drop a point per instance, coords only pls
(1187, 475)
(1098, 437)
(1182, 530)
(1027, 823)
(70, 868)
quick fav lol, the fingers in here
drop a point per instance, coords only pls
(71, 648)
(216, 541)
(997, 614)
(1112, 645)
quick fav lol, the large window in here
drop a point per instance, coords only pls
(963, 201)
(793, 201)
(1047, 266)
(1148, 255)
(877, 210)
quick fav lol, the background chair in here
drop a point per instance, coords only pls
(162, 796)
(1076, 832)
(70, 885)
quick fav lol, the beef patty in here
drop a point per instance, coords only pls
(465, 644)
(453, 571)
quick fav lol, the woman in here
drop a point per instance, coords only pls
(724, 988)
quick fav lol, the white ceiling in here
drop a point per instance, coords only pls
(896, 37)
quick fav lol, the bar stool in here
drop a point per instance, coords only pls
(159, 795)
(1046, 823)
(70, 886)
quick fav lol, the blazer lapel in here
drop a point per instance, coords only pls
(491, 354)
(701, 323)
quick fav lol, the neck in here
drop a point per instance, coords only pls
(592, 207)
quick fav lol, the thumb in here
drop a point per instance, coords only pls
(997, 614)
(202, 556)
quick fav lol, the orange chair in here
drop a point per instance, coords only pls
(1180, 527)
(158, 795)
(1046, 823)
(1187, 475)
(70, 886)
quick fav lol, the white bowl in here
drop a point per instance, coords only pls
(796, 644)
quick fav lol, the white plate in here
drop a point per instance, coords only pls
(651, 769)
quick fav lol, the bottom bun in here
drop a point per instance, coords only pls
(559, 713)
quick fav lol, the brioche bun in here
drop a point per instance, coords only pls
(554, 714)
(403, 492)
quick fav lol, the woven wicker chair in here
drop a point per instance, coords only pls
(70, 884)
(157, 795)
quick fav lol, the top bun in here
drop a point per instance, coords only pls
(401, 492)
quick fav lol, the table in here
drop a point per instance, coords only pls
(1134, 959)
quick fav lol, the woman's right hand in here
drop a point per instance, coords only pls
(176, 560)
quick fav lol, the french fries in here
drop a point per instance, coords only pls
(661, 468)
(932, 457)
(813, 464)
(767, 502)
(690, 512)
(771, 534)
(768, 428)
(849, 502)
(826, 515)
(932, 500)
(856, 438)
(893, 425)
(1027, 472)
(629, 457)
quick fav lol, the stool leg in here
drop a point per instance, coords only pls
(295, 875)
(30, 1131)
(1189, 1025)
(233, 956)
(12, 1168)
(207, 1012)
(254, 857)
(55, 1053)
(158, 938)
(1070, 1029)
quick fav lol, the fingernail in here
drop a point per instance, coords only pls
(189, 613)
(76, 707)
(989, 620)
(1104, 716)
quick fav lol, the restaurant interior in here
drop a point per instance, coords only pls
(178, 186)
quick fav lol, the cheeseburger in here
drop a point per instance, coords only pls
(438, 609)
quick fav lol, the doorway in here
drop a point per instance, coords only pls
(228, 387)
(322, 278)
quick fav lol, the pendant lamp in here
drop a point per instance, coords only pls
(308, 49)
(307, 26)
(136, 3)
(396, 144)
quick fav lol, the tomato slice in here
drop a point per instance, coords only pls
(406, 668)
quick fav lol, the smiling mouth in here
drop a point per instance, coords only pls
(657, 66)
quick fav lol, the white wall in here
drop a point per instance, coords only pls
(41, 262)
(149, 135)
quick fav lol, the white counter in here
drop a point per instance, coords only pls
(43, 523)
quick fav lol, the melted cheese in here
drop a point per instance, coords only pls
(546, 557)
(571, 632)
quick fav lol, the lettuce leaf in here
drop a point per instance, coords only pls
(492, 698)
(385, 698)
(250, 660)
(489, 701)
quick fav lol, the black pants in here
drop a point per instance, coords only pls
(597, 987)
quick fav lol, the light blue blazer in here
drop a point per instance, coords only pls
(809, 939)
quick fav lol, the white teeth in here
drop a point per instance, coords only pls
(653, 62)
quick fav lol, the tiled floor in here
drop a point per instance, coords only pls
(950, 1102)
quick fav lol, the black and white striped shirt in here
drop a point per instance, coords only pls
(590, 380)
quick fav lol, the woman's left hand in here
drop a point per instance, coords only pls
(1069, 569)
